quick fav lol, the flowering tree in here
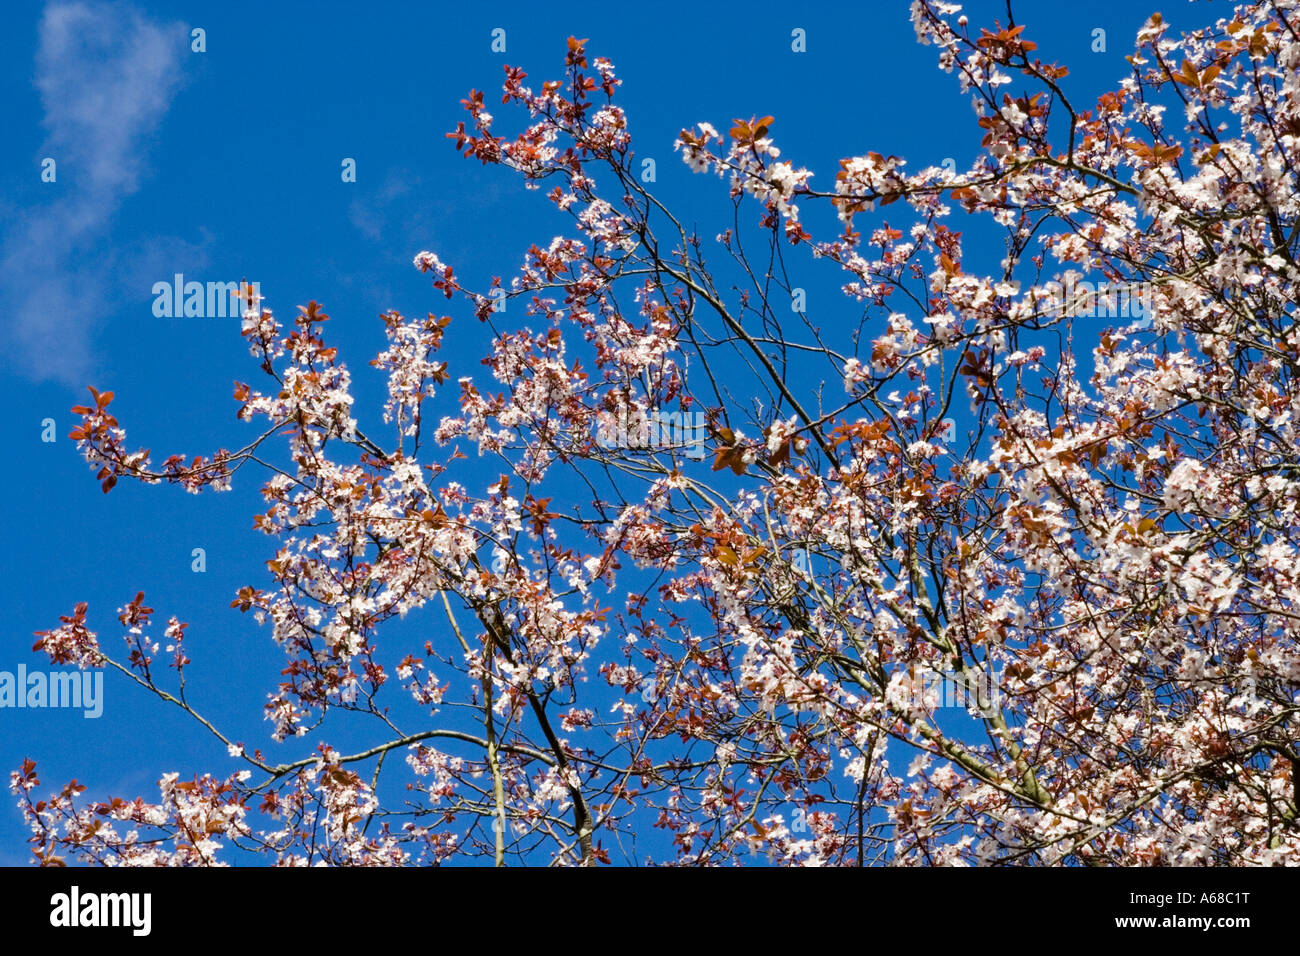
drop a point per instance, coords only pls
(752, 653)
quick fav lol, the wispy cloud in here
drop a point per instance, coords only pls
(106, 76)
(401, 213)
(373, 215)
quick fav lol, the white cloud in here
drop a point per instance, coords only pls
(106, 76)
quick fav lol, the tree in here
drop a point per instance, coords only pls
(1098, 566)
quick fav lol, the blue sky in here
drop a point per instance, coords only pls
(226, 164)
